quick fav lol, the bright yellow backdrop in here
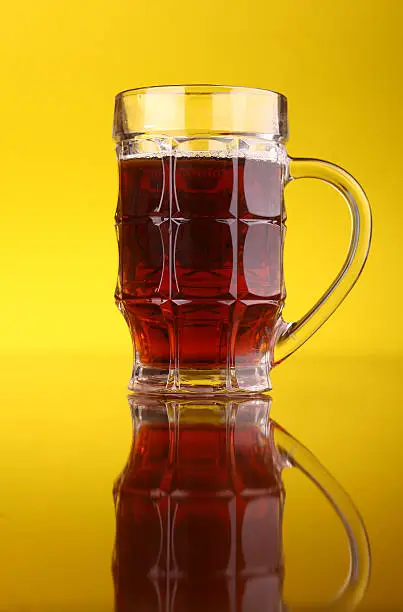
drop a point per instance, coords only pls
(65, 350)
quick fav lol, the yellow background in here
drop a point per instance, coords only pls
(65, 350)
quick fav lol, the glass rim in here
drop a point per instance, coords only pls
(198, 89)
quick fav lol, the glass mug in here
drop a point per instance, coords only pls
(199, 509)
(201, 223)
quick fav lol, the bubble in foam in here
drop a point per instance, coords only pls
(274, 153)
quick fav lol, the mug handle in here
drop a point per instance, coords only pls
(293, 335)
(294, 454)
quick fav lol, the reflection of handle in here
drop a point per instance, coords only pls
(293, 335)
(294, 454)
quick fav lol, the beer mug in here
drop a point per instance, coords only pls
(201, 225)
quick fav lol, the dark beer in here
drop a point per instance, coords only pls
(200, 244)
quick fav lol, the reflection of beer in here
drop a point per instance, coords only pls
(200, 241)
(198, 514)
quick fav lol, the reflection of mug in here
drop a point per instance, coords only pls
(199, 509)
(200, 223)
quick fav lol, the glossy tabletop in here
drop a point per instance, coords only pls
(66, 437)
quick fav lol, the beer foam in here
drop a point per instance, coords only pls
(275, 153)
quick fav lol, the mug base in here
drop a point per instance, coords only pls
(244, 379)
